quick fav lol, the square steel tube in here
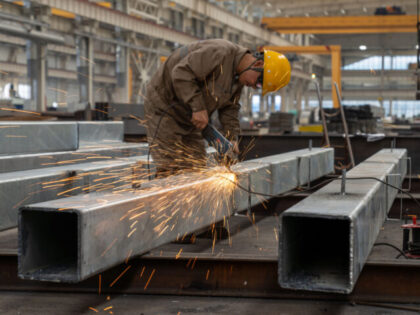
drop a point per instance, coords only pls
(21, 188)
(325, 239)
(99, 152)
(95, 234)
(100, 131)
(17, 137)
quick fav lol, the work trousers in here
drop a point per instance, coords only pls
(174, 149)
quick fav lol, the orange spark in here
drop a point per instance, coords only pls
(142, 271)
(131, 233)
(121, 274)
(179, 254)
(193, 264)
(128, 256)
(19, 110)
(150, 278)
(109, 247)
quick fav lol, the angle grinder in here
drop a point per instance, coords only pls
(224, 148)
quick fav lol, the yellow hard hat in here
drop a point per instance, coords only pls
(277, 71)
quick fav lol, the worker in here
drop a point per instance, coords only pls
(195, 81)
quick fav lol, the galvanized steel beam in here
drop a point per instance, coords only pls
(74, 238)
(325, 239)
(99, 131)
(17, 137)
(92, 153)
(25, 187)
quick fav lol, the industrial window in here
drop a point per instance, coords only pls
(24, 91)
(361, 102)
(198, 28)
(4, 91)
(255, 103)
(234, 38)
(405, 109)
(277, 102)
(402, 62)
(325, 103)
(371, 63)
(217, 32)
(177, 20)
(375, 63)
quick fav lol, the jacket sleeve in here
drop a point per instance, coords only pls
(191, 71)
(229, 117)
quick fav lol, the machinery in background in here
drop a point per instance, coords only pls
(360, 119)
(280, 122)
(411, 238)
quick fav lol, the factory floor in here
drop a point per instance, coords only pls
(21, 297)
(70, 303)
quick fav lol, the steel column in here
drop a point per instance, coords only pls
(84, 60)
(37, 72)
(122, 70)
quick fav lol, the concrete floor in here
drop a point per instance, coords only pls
(69, 303)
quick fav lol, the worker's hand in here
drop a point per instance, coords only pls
(200, 119)
(235, 147)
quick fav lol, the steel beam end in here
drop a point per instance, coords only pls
(316, 253)
(48, 245)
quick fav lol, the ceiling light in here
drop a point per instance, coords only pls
(343, 11)
(364, 9)
(279, 10)
(268, 4)
(313, 76)
(362, 47)
(417, 46)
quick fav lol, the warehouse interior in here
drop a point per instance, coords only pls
(314, 212)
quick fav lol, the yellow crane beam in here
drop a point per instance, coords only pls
(342, 24)
(333, 50)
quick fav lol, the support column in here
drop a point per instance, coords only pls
(306, 99)
(37, 73)
(380, 98)
(390, 107)
(283, 106)
(247, 102)
(262, 105)
(335, 73)
(299, 91)
(123, 73)
(84, 61)
(273, 103)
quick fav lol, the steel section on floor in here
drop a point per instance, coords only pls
(265, 145)
(37, 185)
(243, 266)
(88, 153)
(19, 137)
(97, 231)
(325, 239)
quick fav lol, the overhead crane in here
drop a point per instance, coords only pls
(342, 24)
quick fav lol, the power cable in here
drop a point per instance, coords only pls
(394, 247)
(332, 178)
